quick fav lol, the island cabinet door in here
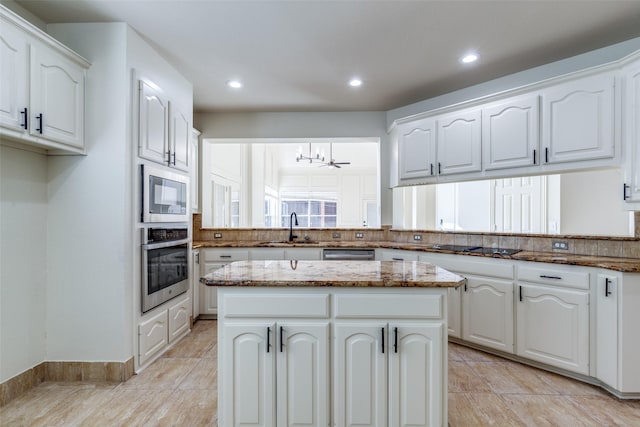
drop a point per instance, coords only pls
(303, 374)
(360, 374)
(247, 370)
(417, 376)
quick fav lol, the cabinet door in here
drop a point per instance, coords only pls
(510, 133)
(417, 374)
(459, 142)
(303, 374)
(179, 319)
(488, 312)
(153, 124)
(194, 168)
(454, 312)
(360, 374)
(180, 132)
(195, 283)
(632, 131)
(14, 77)
(553, 326)
(57, 97)
(152, 336)
(247, 373)
(577, 120)
(417, 149)
(607, 329)
(209, 294)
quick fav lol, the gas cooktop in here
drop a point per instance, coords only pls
(476, 249)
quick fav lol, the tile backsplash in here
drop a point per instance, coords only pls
(606, 246)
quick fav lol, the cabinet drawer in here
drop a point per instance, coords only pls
(225, 255)
(554, 276)
(278, 305)
(153, 336)
(414, 306)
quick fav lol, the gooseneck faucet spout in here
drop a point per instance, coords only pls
(291, 217)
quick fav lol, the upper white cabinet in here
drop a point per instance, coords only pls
(417, 149)
(510, 136)
(459, 142)
(577, 119)
(631, 102)
(153, 123)
(43, 83)
(164, 130)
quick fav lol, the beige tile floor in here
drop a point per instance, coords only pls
(180, 389)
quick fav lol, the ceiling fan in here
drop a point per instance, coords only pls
(332, 162)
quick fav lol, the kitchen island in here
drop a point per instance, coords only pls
(332, 343)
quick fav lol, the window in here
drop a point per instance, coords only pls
(311, 213)
(270, 211)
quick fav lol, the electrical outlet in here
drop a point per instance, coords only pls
(560, 244)
(417, 237)
(336, 235)
(217, 235)
(359, 235)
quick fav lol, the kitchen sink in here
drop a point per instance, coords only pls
(476, 249)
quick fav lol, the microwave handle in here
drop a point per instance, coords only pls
(165, 244)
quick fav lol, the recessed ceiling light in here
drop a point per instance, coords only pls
(235, 84)
(355, 82)
(469, 58)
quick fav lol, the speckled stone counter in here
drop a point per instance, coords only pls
(333, 273)
(627, 265)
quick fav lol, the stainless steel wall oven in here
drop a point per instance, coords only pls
(165, 264)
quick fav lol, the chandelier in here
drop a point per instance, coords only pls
(319, 156)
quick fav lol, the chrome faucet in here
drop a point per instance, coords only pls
(291, 235)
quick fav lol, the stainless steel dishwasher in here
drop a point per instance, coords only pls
(337, 254)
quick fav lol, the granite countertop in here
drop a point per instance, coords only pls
(415, 274)
(627, 265)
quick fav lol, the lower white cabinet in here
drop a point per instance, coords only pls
(153, 336)
(179, 314)
(195, 283)
(488, 312)
(454, 312)
(607, 329)
(386, 366)
(553, 326)
(170, 323)
(211, 260)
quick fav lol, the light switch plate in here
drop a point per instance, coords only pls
(336, 235)
(359, 235)
(217, 235)
(417, 237)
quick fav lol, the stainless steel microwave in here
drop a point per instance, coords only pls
(165, 196)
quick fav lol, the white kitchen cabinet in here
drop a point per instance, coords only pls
(14, 76)
(361, 371)
(215, 258)
(417, 149)
(153, 123)
(195, 283)
(416, 361)
(488, 312)
(578, 120)
(553, 326)
(454, 312)
(266, 254)
(179, 314)
(302, 373)
(631, 103)
(248, 375)
(459, 148)
(43, 82)
(153, 336)
(303, 254)
(194, 154)
(510, 136)
(607, 328)
(179, 138)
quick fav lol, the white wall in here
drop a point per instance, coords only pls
(589, 202)
(89, 253)
(23, 235)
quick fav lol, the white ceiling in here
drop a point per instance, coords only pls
(299, 55)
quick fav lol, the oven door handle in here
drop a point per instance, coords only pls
(160, 245)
